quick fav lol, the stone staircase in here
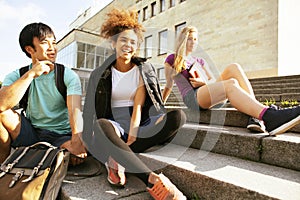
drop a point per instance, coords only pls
(214, 157)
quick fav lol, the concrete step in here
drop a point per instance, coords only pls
(208, 175)
(276, 79)
(282, 150)
(275, 85)
(98, 188)
(277, 90)
(221, 116)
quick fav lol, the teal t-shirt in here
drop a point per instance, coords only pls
(46, 106)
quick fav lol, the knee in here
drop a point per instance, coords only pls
(177, 117)
(234, 67)
(230, 84)
(8, 115)
(101, 121)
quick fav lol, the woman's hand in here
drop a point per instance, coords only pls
(131, 139)
(197, 82)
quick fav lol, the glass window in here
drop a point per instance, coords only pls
(153, 9)
(178, 28)
(172, 3)
(145, 17)
(139, 16)
(90, 48)
(162, 5)
(67, 55)
(148, 46)
(81, 46)
(80, 60)
(163, 42)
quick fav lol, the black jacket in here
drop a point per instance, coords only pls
(98, 97)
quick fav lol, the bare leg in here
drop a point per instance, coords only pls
(235, 71)
(10, 125)
(230, 89)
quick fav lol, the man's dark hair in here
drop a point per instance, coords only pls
(32, 30)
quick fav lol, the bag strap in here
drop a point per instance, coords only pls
(59, 79)
(23, 102)
(36, 169)
(9, 166)
(59, 71)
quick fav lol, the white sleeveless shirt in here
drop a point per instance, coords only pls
(124, 86)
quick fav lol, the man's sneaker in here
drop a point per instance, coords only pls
(255, 125)
(278, 121)
(115, 173)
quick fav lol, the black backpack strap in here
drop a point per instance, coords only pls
(59, 80)
(24, 100)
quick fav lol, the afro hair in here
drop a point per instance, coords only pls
(120, 20)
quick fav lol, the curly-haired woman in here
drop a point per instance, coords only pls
(123, 112)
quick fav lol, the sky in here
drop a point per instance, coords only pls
(15, 14)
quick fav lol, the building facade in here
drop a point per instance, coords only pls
(239, 31)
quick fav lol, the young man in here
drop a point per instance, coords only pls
(49, 117)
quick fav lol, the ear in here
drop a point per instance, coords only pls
(29, 50)
(113, 44)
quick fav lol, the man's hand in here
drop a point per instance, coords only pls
(41, 67)
(76, 148)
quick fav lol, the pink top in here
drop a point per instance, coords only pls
(182, 78)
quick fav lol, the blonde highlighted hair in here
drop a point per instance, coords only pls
(180, 48)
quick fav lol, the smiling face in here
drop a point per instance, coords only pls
(126, 44)
(44, 49)
(192, 42)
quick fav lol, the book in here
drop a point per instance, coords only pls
(197, 71)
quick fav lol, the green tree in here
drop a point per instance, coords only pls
(0, 84)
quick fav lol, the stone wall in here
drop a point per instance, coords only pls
(240, 31)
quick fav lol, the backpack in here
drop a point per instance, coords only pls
(59, 70)
(33, 172)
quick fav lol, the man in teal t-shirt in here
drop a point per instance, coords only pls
(48, 117)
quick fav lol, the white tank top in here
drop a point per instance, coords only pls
(124, 86)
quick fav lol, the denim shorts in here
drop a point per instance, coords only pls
(190, 100)
(30, 135)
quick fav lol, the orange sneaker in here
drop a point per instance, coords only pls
(164, 189)
(115, 173)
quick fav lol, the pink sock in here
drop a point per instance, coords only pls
(262, 113)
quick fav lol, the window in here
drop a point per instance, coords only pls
(163, 42)
(153, 9)
(148, 47)
(178, 28)
(67, 55)
(162, 5)
(145, 17)
(101, 55)
(172, 3)
(90, 56)
(139, 16)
